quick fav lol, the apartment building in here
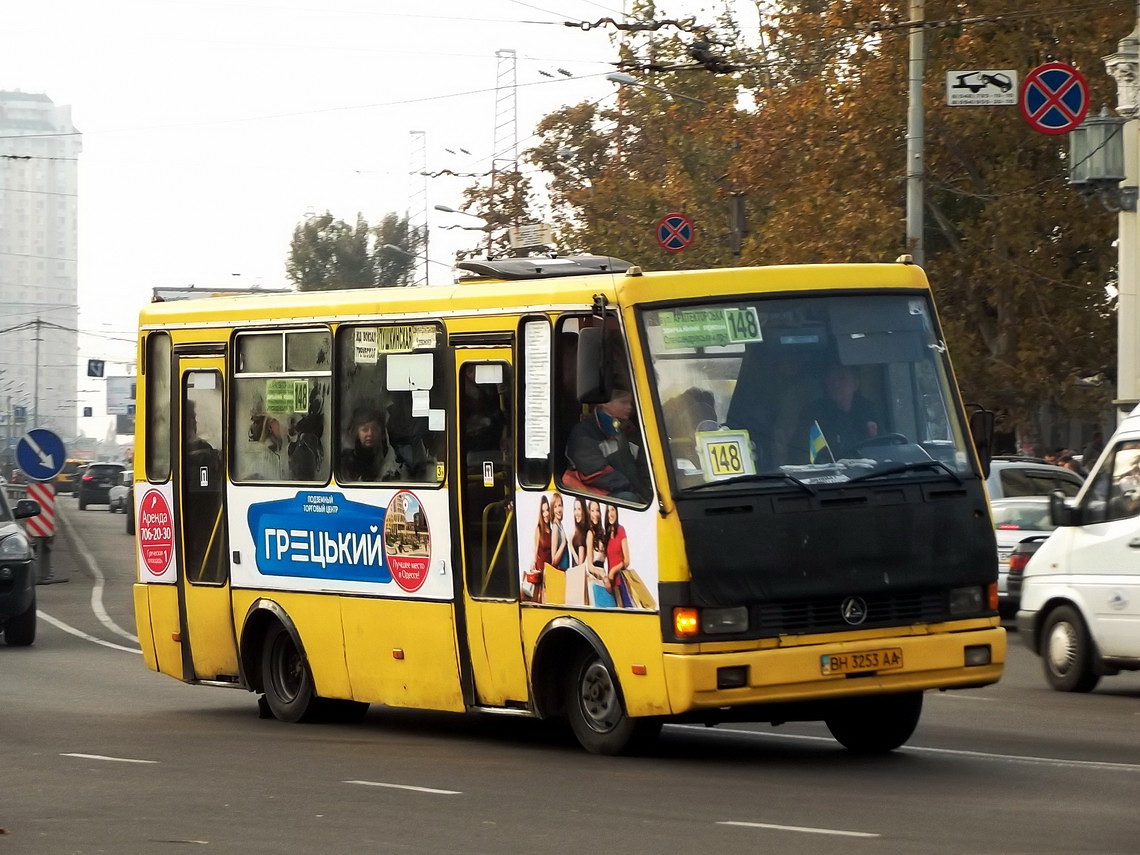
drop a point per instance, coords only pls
(39, 166)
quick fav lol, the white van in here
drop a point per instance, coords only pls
(1080, 596)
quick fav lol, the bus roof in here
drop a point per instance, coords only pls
(485, 294)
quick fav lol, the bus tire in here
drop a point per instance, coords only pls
(597, 713)
(286, 678)
(20, 631)
(875, 724)
(1067, 652)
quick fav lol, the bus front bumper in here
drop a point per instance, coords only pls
(811, 671)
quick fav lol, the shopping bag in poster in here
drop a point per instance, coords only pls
(600, 597)
(638, 590)
(554, 581)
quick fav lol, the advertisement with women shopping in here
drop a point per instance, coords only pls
(578, 551)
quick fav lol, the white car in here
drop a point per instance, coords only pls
(117, 496)
(1016, 520)
(1080, 595)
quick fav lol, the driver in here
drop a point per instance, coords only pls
(845, 417)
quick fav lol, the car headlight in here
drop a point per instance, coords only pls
(15, 547)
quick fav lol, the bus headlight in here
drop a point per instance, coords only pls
(967, 601)
(15, 547)
(717, 621)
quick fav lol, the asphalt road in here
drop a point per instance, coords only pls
(100, 755)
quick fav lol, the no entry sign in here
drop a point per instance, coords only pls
(1054, 98)
(674, 232)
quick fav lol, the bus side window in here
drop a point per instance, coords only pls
(570, 412)
(390, 404)
(281, 411)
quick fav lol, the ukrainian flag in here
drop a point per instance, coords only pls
(817, 444)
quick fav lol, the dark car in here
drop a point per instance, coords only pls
(94, 487)
(1018, 559)
(129, 510)
(17, 574)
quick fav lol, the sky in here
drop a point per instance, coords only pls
(211, 128)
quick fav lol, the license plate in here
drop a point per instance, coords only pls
(865, 660)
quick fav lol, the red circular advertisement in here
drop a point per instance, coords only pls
(407, 541)
(156, 532)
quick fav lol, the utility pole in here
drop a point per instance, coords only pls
(417, 206)
(506, 142)
(1124, 67)
(914, 133)
(36, 382)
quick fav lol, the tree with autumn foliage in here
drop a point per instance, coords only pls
(811, 128)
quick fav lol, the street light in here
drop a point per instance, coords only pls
(448, 210)
(623, 79)
(1096, 161)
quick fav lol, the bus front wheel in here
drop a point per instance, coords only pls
(286, 677)
(876, 724)
(597, 714)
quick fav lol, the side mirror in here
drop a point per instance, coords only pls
(982, 432)
(1061, 512)
(594, 386)
(26, 508)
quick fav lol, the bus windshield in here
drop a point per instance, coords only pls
(804, 391)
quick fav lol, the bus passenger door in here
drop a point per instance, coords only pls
(209, 647)
(490, 572)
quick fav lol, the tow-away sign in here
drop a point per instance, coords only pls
(986, 87)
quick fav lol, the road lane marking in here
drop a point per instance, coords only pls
(406, 787)
(806, 829)
(105, 757)
(78, 633)
(907, 749)
(100, 582)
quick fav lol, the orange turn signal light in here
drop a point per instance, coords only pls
(686, 622)
(992, 596)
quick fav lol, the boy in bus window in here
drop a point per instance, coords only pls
(600, 450)
(371, 457)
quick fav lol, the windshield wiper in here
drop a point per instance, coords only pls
(909, 467)
(759, 476)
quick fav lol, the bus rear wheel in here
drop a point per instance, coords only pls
(597, 714)
(286, 677)
(877, 724)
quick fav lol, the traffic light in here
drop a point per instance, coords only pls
(94, 367)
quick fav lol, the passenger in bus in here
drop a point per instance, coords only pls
(409, 437)
(599, 449)
(844, 416)
(306, 442)
(261, 458)
(371, 457)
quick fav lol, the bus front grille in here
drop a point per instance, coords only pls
(826, 614)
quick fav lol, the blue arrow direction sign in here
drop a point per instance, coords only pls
(40, 454)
